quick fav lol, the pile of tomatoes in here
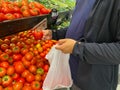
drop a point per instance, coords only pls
(22, 61)
(12, 10)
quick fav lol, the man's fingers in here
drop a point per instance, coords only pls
(61, 41)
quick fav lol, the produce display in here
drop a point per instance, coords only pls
(60, 5)
(10, 10)
(22, 60)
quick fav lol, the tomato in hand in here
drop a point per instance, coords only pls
(38, 34)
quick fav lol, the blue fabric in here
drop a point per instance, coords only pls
(80, 14)
(76, 28)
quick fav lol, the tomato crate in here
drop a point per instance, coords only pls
(22, 24)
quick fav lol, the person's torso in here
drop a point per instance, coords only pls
(98, 29)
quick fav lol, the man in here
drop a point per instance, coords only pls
(93, 40)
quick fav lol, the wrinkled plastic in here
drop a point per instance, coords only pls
(59, 75)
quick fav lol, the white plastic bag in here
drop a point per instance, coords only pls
(59, 75)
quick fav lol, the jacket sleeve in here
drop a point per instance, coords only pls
(59, 34)
(94, 53)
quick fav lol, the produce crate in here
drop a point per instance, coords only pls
(22, 24)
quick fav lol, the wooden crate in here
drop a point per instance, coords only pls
(18, 25)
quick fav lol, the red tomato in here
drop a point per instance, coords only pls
(38, 5)
(25, 62)
(44, 76)
(38, 34)
(8, 51)
(9, 16)
(1, 88)
(34, 12)
(30, 78)
(16, 9)
(25, 73)
(15, 76)
(44, 11)
(8, 88)
(18, 15)
(35, 85)
(0, 81)
(6, 80)
(33, 69)
(4, 57)
(24, 51)
(27, 88)
(42, 54)
(38, 77)
(19, 67)
(28, 56)
(40, 64)
(16, 49)
(31, 5)
(17, 57)
(4, 47)
(4, 64)
(5, 10)
(17, 3)
(10, 70)
(22, 80)
(1, 41)
(2, 17)
(46, 68)
(6, 41)
(10, 60)
(17, 86)
(2, 71)
(14, 40)
(26, 13)
(33, 61)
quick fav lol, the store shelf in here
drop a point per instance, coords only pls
(17, 25)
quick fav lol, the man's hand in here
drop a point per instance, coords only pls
(66, 45)
(47, 34)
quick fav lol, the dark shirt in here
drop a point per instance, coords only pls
(76, 29)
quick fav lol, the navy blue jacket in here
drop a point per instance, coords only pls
(99, 52)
